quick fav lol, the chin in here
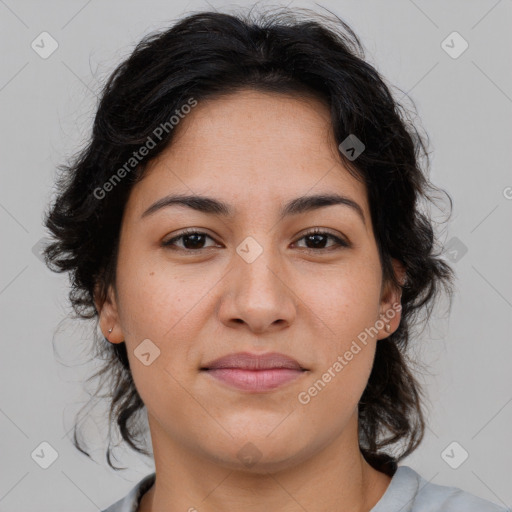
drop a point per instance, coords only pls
(257, 461)
(259, 453)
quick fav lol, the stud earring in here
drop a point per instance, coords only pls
(110, 330)
(388, 328)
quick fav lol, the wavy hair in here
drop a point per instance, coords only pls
(209, 54)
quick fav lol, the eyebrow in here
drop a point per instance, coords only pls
(212, 206)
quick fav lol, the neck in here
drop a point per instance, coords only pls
(336, 477)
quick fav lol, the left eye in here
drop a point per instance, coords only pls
(316, 237)
(193, 240)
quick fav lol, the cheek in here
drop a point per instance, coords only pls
(344, 351)
(153, 296)
(166, 304)
(346, 306)
(156, 304)
(345, 299)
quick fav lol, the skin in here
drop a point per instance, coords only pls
(255, 151)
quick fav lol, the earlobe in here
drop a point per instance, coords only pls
(108, 316)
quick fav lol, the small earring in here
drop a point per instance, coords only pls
(388, 328)
(110, 330)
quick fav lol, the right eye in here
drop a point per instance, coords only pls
(191, 238)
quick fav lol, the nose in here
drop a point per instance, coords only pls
(258, 295)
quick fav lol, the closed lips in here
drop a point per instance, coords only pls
(248, 361)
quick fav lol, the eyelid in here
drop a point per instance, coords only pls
(324, 231)
(341, 240)
(188, 231)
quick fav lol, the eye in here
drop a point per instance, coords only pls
(192, 240)
(317, 238)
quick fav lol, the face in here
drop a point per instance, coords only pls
(253, 281)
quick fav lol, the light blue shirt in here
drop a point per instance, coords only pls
(407, 492)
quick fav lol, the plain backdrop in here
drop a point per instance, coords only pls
(464, 103)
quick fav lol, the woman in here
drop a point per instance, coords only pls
(245, 225)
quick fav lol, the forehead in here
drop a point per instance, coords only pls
(254, 147)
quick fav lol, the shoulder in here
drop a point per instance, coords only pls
(130, 502)
(433, 497)
(415, 494)
(408, 492)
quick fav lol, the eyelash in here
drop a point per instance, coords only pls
(340, 243)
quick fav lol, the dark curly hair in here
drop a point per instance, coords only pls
(209, 54)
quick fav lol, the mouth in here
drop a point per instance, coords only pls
(255, 380)
(254, 373)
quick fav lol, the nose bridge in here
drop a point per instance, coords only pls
(257, 289)
(257, 263)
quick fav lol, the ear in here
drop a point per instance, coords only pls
(108, 315)
(390, 303)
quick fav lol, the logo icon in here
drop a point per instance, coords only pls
(44, 455)
(455, 249)
(44, 45)
(454, 45)
(351, 147)
(454, 455)
(249, 455)
(146, 352)
(249, 249)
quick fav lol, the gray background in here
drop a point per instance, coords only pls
(465, 106)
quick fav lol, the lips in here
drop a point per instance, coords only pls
(248, 361)
(254, 373)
